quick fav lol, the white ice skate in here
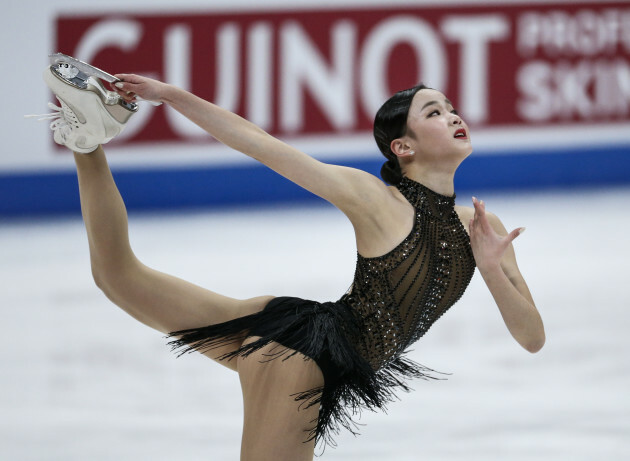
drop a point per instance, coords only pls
(89, 114)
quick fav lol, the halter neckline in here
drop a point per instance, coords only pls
(423, 198)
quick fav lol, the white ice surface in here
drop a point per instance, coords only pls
(79, 379)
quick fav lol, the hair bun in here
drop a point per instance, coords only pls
(391, 172)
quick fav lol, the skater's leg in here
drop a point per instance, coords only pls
(276, 427)
(159, 300)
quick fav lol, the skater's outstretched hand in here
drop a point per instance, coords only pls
(134, 86)
(488, 246)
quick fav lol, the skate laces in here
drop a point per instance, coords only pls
(63, 119)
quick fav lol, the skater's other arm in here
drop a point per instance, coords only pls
(351, 190)
(496, 261)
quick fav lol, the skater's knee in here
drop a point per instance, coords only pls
(113, 280)
(105, 278)
(98, 277)
(106, 284)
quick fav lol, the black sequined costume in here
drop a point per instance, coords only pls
(359, 341)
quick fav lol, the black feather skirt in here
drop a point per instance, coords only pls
(326, 333)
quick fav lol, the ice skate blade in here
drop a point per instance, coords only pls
(73, 69)
(82, 67)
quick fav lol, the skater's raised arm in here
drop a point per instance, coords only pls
(496, 261)
(348, 189)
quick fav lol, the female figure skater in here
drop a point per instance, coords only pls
(306, 367)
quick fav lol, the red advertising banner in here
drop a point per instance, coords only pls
(327, 71)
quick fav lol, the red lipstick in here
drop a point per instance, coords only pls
(461, 134)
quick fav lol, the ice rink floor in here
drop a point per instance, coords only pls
(81, 380)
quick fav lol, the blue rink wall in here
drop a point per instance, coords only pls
(55, 193)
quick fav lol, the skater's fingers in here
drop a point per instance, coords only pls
(126, 87)
(124, 90)
(130, 78)
(130, 83)
(113, 87)
(132, 87)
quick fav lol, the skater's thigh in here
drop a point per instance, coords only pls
(277, 426)
(167, 303)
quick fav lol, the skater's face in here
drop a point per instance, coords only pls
(435, 129)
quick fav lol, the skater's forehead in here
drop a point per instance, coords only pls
(429, 97)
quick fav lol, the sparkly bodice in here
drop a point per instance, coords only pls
(398, 296)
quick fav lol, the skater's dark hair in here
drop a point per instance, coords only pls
(391, 123)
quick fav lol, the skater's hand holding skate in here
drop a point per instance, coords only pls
(133, 87)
